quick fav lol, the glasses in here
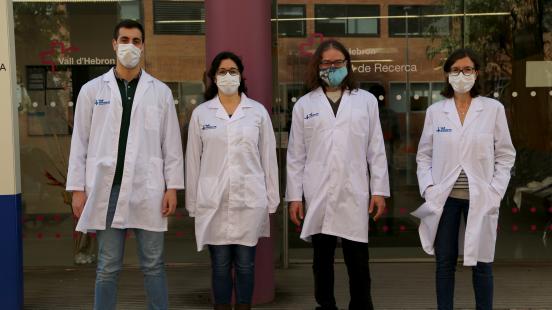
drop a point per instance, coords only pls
(465, 71)
(232, 72)
(324, 64)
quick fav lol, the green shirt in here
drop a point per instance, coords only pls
(127, 89)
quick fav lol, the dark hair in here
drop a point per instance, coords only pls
(313, 77)
(212, 89)
(128, 23)
(448, 91)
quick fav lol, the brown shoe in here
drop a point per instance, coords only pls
(242, 307)
(223, 307)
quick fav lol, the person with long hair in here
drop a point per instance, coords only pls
(231, 179)
(464, 159)
(336, 160)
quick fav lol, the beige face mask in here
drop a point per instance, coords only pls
(228, 84)
(461, 83)
(128, 55)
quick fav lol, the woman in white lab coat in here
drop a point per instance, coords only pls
(336, 160)
(464, 160)
(231, 179)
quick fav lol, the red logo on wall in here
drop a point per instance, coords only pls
(47, 57)
(308, 47)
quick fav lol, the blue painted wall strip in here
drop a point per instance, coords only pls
(11, 258)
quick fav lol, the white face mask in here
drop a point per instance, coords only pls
(228, 84)
(128, 55)
(462, 83)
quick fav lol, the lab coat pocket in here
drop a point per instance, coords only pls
(490, 225)
(431, 193)
(493, 198)
(361, 201)
(90, 174)
(312, 180)
(485, 146)
(359, 122)
(208, 193)
(153, 117)
(431, 205)
(254, 190)
(428, 208)
(250, 135)
(156, 180)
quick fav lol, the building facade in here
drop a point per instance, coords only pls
(398, 44)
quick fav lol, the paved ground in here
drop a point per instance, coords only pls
(396, 286)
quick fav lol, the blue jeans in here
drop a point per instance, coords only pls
(111, 244)
(446, 255)
(223, 258)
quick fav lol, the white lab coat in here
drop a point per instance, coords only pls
(482, 147)
(336, 162)
(153, 160)
(231, 173)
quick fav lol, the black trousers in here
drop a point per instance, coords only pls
(356, 259)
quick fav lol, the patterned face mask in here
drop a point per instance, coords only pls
(333, 77)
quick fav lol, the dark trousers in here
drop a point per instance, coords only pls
(446, 255)
(356, 259)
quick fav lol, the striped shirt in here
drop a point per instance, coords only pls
(461, 188)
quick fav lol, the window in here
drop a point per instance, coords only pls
(282, 109)
(422, 95)
(347, 20)
(296, 26)
(178, 17)
(130, 10)
(419, 26)
(366, 85)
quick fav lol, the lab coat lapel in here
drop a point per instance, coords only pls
(473, 113)
(221, 112)
(344, 103)
(109, 77)
(143, 85)
(240, 113)
(325, 102)
(450, 110)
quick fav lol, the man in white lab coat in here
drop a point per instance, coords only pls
(336, 159)
(125, 166)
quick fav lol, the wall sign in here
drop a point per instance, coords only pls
(379, 67)
(372, 51)
(50, 56)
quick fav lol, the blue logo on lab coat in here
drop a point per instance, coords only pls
(102, 101)
(311, 115)
(207, 126)
(443, 129)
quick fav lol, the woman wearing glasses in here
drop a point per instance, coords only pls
(336, 160)
(231, 179)
(464, 160)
